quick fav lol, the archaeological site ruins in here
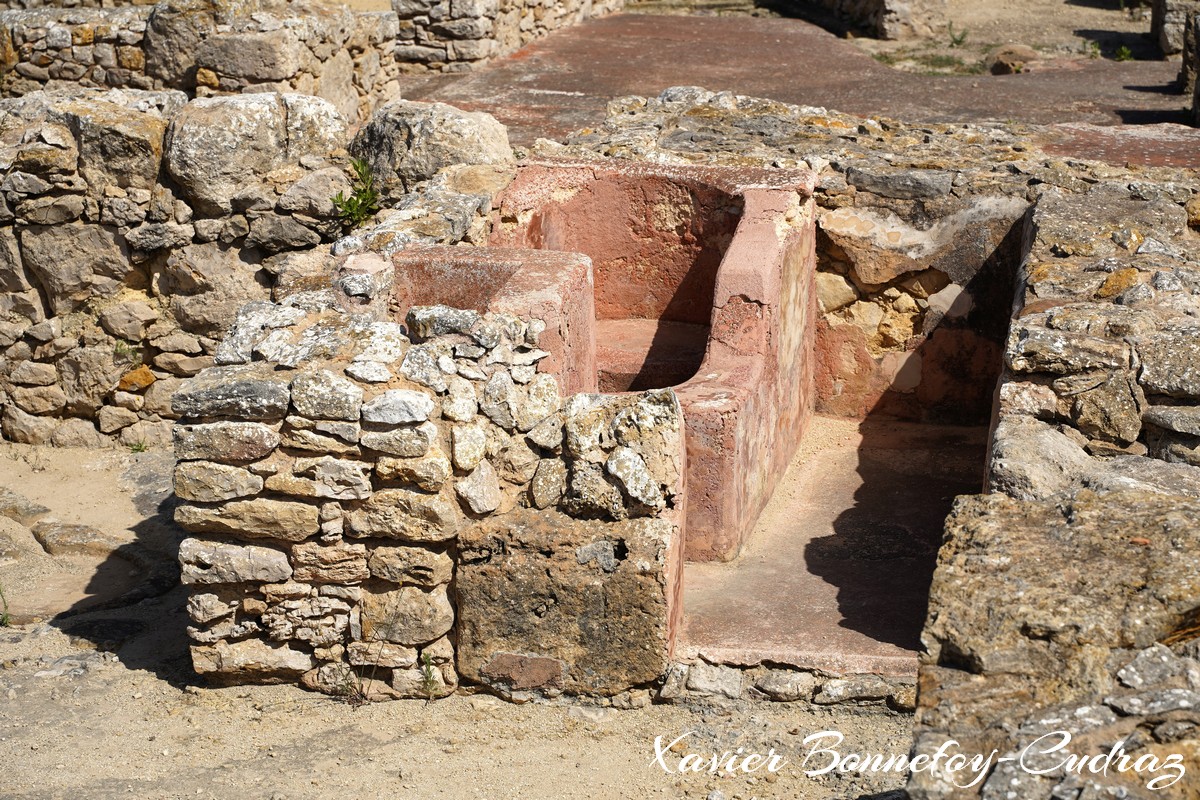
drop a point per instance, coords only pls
(718, 399)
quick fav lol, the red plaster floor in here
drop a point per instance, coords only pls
(836, 575)
(637, 354)
(562, 83)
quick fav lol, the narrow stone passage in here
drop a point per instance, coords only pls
(836, 575)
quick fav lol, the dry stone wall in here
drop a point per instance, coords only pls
(135, 224)
(1093, 467)
(343, 56)
(379, 508)
(452, 35)
(884, 19)
(206, 49)
(24, 4)
(92, 47)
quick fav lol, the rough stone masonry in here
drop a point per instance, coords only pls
(377, 509)
(1066, 598)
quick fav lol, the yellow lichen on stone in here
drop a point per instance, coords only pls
(1118, 282)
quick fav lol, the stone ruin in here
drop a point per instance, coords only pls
(396, 480)
(1070, 287)
(214, 47)
(883, 19)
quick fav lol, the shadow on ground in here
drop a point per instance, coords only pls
(882, 553)
(919, 450)
(146, 626)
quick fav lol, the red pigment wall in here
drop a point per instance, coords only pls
(655, 242)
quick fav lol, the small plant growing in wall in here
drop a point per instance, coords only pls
(363, 201)
(5, 618)
(957, 38)
(124, 351)
(350, 689)
(1123, 54)
(429, 683)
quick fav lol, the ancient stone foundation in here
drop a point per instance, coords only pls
(1066, 598)
(378, 508)
(135, 224)
(884, 19)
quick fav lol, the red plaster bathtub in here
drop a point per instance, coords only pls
(703, 281)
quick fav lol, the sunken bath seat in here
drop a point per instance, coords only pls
(696, 278)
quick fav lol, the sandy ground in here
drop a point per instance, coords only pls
(1061, 31)
(103, 703)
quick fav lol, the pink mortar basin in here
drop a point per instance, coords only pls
(553, 287)
(648, 276)
(703, 282)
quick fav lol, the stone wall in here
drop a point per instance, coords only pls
(455, 34)
(883, 19)
(329, 51)
(21, 4)
(53, 48)
(378, 509)
(1094, 468)
(135, 224)
(1168, 23)
(914, 282)
(206, 49)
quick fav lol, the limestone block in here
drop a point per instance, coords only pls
(547, 602)
(1011, 642)
(429, 473)
(1170, 361)
(405, 441)
(219, 562)
(87, 375)
(261, 518)
(118, 145)
(311, 195)
(218, 147)
(1033, 348)
(408, 142)
(251, 660)
(421, 566)
(74, 262)
(209, 283)
(248, 392)
(254, 56)
(319, 394)
(407, 515)
(206, 482)
(408, 616)
(398, 407)
(233, 442)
